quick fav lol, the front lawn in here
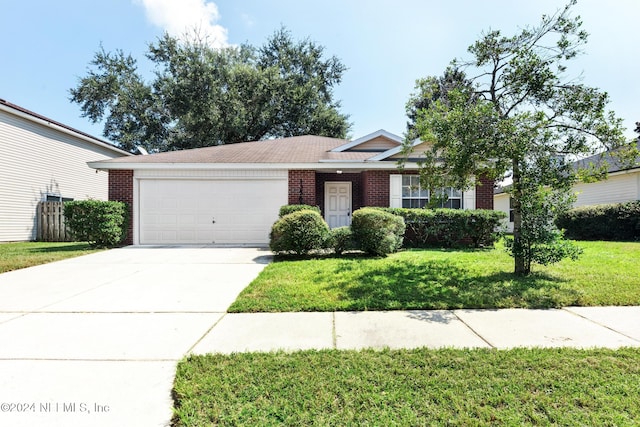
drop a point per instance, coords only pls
(410, 387)
(608, 273)
(27, 254)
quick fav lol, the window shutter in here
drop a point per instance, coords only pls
(395, 191)
(469, 198)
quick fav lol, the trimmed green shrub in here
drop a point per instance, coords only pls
(450, 227)
(377, 232)
(299, 232)
(617, 221)
(101, 223)
(287, 209)
(482, 226)
(341, 240)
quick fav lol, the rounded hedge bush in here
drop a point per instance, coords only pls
(287, 209)
(341, 240)
(299, 232)
(377, 232)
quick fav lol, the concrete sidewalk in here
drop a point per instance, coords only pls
(578, 327)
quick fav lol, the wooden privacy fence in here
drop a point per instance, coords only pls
(51, 225)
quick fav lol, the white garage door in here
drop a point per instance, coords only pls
(214, 211)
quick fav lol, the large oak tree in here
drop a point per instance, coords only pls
(201, 96)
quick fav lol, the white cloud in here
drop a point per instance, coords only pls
(181, 17)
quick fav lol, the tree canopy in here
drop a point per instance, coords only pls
(513, 109)
(201, 96)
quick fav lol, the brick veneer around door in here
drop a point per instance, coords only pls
(484, 193)
(121, 190)
(302, 187)
(356, 187)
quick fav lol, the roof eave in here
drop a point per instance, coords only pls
(358, 165)
(41, 120)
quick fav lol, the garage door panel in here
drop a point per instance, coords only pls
(183, 211)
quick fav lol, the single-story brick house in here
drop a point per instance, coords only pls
(231, 194)
(44, 160)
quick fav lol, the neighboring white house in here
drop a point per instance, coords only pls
(40, 160)
(621, 185)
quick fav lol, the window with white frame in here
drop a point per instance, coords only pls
(414, 196)
(56, 198)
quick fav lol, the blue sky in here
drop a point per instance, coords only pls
(47, 45)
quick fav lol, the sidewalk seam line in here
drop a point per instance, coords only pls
(472, 329)
(334, 334)
(599, 324)
(206, 333)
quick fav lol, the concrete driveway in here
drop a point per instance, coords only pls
(95, 340)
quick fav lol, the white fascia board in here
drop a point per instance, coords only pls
(366, 138)
(251, 166)
(391, 152)
(64, 130)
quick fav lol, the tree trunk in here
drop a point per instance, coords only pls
(520, 267)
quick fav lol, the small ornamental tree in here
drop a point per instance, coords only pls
(512, 108)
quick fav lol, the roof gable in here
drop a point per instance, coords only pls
(378, 141)
(396, 152)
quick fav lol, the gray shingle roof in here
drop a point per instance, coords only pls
(298, 149)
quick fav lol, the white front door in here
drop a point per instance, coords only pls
(337, 203)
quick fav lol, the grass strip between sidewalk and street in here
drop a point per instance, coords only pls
(608, 273)
(410, 387)
(16, 255)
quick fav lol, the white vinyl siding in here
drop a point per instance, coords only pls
(618, 188)
(501, 202)
(36, 161)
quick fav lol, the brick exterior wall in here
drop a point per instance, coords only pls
(356, 187)
(369, 188)
(302, 187)
(121, 190)
(375, 188)
(484, 193)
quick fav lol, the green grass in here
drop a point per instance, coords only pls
(410, 388)
(27, 254)
(608, 273)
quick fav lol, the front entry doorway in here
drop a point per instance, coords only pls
(337, 204)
